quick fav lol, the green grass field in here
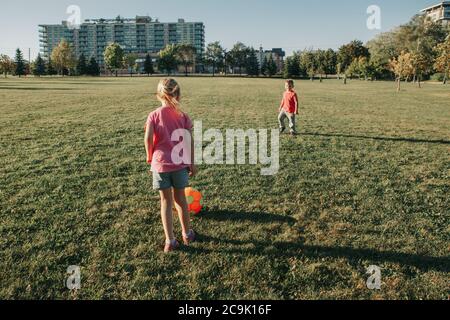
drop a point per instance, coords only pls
(365, 183)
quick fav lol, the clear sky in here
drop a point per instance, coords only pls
(290, 24)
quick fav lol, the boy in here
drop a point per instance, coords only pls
(288, 108)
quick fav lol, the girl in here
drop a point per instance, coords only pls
(170, 177)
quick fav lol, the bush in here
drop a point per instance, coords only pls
(437, 77)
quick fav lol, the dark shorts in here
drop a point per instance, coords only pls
(177, 180)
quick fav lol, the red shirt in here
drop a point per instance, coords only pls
(290, 102)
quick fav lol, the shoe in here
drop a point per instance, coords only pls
(171, 247)
(190, 238)
(282, 130)
(293, 133)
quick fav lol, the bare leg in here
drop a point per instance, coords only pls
(166, 213)
(182, 209)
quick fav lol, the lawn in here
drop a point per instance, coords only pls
(366, 182)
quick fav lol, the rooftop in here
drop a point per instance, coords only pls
(436, 6)
(121, 20)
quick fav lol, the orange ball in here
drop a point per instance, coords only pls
(188, 191)
(194, 199)
(189, 197)
(196, 207)
(197, 196)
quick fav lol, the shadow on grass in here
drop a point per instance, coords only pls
(35, 88)
(292, 249)
(87, 83)
(392, 139)
(257, 217)
(283, 249)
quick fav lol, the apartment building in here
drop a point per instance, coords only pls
(439, 12)
(277, 54)
(140, 35)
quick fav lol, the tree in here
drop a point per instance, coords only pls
(382, 48)
(292, 67)
(228, 61)
(349, 52)
(353, 69)
(330, 62)
(199, 63)
(39, 68)
(362, 68)
(252, 63)
(6, 65)
(129, 62)
(63, 58)
(20, 64)
(264, 66)
(442, 62)
(81, 68)
(339, 70)
(50, 68)
(308, 63)
(422, 65)
(148, 65)
(93, 69)
(420, 36)
(238, 56)
(214, 56)
(368, 69)
(185, 54)
(271, 67)
(320, 62)
(114, 55)
(168, 59)
(421, 33)
(402, 66)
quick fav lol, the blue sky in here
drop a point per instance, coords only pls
(290, 24)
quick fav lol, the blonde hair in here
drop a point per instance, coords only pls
(169, 93)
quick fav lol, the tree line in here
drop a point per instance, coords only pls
(61, 62)
(239, 59)
(412, 52)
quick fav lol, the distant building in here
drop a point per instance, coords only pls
(439, 12)
(277, 54)
(141, 35)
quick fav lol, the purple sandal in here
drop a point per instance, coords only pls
(190, 238)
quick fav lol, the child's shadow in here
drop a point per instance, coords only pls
(286, 249)
(256, 217)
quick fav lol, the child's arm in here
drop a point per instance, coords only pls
(296, 104)
(281, 105)
(149, 143)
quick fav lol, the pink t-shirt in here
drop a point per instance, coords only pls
(165, 121)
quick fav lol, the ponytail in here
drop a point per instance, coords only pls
(169, 93)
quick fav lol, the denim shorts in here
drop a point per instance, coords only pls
(177, 180)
